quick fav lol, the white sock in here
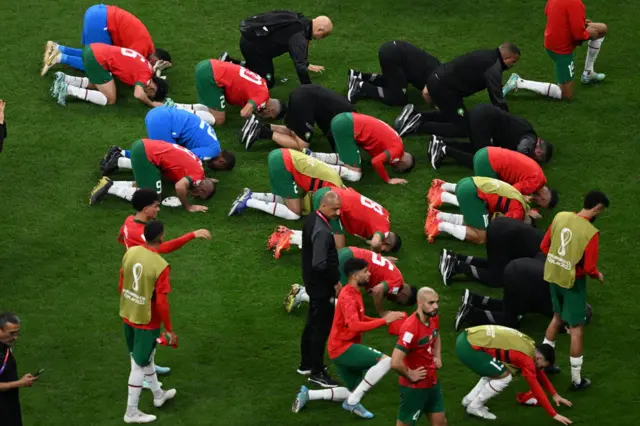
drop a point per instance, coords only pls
(296, 238)
(549, 342)
(576, 368)
(335, 394)
(304, 296)
(136, 377)
(456, 219)
(122, 191)
(328, 158)
(267, 197)
(545, 89)
(82, 82)
(491, 389)
(476, 389)
(592, 54)
(276, 209)
(124, 163)
(449, 187)
(347, 174)
(186, 107)
(373, 376)
(206, 116)
(93, 96)
(152, 379)
(449, 198)
(458, 231)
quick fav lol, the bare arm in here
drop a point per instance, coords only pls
(182, 192)
(378, 298)
(247, 110)
(140, 95)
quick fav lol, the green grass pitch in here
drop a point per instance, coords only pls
(59, 257)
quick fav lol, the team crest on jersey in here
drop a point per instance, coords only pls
(461, 112)
(307, 135)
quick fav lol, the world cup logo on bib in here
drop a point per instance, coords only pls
(137, 274)
(565, 236)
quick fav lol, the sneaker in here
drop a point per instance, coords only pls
(466, 401)
(552, 369)
(145, 385)
(584, 383)
(62, 92)
(447, 271)
(481, 412)
(224, 56)
(291, 301)
(323, 380)
(240, 203)
(166, 395)
(58, 80)
(466, 297)
(354, 88)
(434, 197)
(162, 370)
(510, 85)
(284, 243)
(527, 398)
(463, 312)
(51, 52)
(357, 409)
(113, 150)
(301, 399)
(100, 190)
(303, 371)
(592, 77)
(437, 153)
(139, 417)
(250, 132)
(433, 139)
(443, 258)
(411, 122)
(111, 165)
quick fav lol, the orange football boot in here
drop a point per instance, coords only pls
(435, 193)
(284, 242)
(431, 227)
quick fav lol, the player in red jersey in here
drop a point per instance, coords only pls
(348, 354)
(150, 159)
(352, 131)
(109, 25)
(416, 358)
(102, 62)
(567, 27)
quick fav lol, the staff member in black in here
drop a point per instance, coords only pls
(402, 64)
(269, 35)
(3, 126)
(453, 81)
(10, 413)
(308, 105)
(321, 278)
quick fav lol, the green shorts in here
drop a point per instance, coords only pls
(354, 362)
(281, 180)
(94, 71)
(571, 303)
(482, 165)
(336, 225)
(563, 65)
(209, 93)
(346, 146)
(473, 209)
(416, 402)
(141, 343)
(146, 174)
(479, 362)
(344, 254)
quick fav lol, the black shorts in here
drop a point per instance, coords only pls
(391, 65)
(256, 60)
(525, 290)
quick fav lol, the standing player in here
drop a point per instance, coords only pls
(352, 131)
(415, 358)
(150, 159)
(480, 199)
(144, 308)
(402, 64)
(567, 27)
(177, 127)
(102, 62)
(309, 105)
(571, 246)
(109, 25)
(494, 352)
(350, 357)
(292, 175)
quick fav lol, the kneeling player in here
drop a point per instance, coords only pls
(415, 358)
(350, 357)
(151, 159)
(352, 131)
(102, 62)
(479, 198)
(292, 174)
(493, 352)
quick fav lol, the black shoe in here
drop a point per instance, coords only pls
(437, 153)
(408, 121)
(303, 371)
(463, 311)
(323, 380)
(354, 87)
(113, 150)
(552, 369)
(111, 165)
(224, 57)
(584, 383)
(250, 132)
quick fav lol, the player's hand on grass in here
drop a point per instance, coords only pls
(560, 400)
(397, 181)
(417, 374)
(562, 419)
(393, 316)
(196, 208)
(2, 105)
(27, 380)
(437, 361)
(203, 233)
(600, 277)
(316, 68)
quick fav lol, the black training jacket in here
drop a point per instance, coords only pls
(320, 263)
(505, 129)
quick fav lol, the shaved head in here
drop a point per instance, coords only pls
(322, 27)
(428, 302)
(426, 292)
(330, 205)
(330, 198)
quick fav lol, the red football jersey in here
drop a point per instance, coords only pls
(132, 233)
(505, 206)
(128, 31)
(518, 170)
(126, 65)
(174, 161)
(566, 23)
(381, 269)
(240, 85)
(362, 216)
(379, 140)
(305, 182)
(416, 340)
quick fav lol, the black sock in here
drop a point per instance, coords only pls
(486, 303)
(265, 132)
(384, 94)
(464, 158)
(477, 273)
(485, 317)
(371, 91)
(478, 262)
(235, 61)
(373, 78)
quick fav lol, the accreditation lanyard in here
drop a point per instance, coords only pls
(6, 357)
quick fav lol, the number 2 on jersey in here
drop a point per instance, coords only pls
(203, 125)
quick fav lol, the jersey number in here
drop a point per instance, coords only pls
(571, 69)
(371, 204)
(130, 53)
(381, 261)
(251, 76)
(495, 364)
(416, 416)
(203, 125)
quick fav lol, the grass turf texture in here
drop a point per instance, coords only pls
(238, 349)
